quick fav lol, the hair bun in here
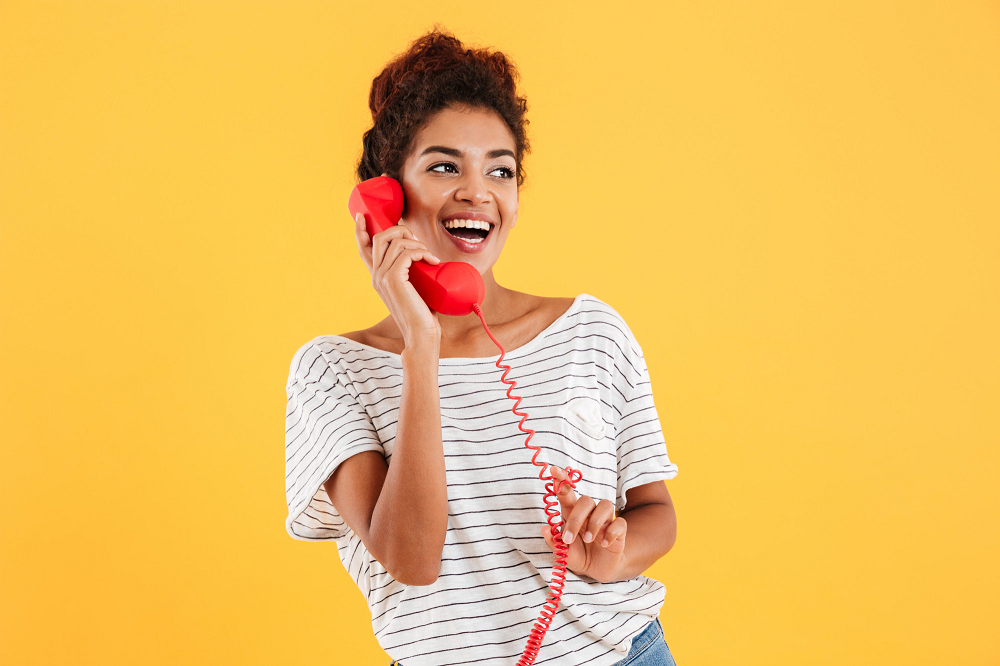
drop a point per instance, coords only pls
(430, 54)
(435, 71)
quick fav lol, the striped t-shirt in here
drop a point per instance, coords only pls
(586, 391)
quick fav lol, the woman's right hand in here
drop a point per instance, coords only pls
(388, 256)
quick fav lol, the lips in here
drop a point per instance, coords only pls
(468, 246)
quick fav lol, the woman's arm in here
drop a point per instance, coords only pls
(410, 520)
(400, 511)
(652, 529)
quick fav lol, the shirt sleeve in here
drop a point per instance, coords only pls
(641, 449)
(325, 424)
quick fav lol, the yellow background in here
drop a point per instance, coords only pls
(795, 206)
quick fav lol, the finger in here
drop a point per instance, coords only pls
(566, 491)
(361, 227)
(403, 225)
(549, 540)
(382, 241)
(599, 521)
(578, 517)
(401, 267)
(394, 277)
(614, 537)
(416, 250)
(566, 495)
(364, 240)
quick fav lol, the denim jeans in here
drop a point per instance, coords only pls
(649, 648)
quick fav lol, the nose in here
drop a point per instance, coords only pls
(474, 189)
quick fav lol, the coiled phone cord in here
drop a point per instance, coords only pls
(551, 510)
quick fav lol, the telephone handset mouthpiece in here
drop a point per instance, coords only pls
(451, 287)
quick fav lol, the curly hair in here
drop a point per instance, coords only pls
(435, 72)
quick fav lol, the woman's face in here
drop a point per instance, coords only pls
(460, 175)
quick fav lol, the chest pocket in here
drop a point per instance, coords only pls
(592, 449)
(585, 414)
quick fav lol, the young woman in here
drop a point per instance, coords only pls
(401, 445)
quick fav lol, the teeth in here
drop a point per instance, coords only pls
(468, 224)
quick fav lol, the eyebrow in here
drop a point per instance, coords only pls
(458, 153)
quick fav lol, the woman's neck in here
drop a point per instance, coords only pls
(499, 305)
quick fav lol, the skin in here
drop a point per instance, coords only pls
(400, 512)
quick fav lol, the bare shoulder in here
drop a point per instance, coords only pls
(358, 336)
(372, 337)
(549, 308)
(561, 303)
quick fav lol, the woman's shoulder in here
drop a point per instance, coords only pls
(553, 307)
(593, 311)
(382, 336)
(316, 356)
(596, 315)
(370, 338)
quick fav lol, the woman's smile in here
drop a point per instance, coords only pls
(469, 231)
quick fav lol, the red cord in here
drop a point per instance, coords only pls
(551, 510)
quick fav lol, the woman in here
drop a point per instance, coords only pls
(400, 441)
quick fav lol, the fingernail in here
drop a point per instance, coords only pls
(588, 537)
(568, 538)
(605, 543)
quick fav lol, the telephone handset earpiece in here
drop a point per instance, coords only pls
(451, 287)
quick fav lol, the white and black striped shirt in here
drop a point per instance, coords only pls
(586, 390)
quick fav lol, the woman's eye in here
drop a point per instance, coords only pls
(448, 167)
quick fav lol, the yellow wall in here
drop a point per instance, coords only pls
(794, 205)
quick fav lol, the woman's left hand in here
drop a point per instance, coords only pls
(596, 539)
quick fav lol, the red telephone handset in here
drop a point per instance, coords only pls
(451, 287)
